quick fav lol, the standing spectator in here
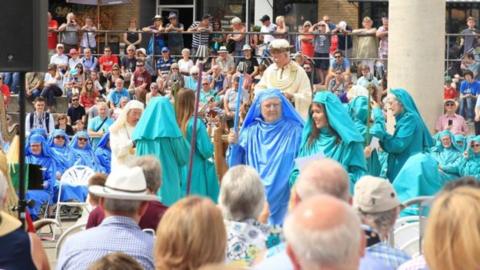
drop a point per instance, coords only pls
(175, 36)
(382, 35)
(225, 61)
(469, 89)
(52, 33)
(70, 32)
(217, 39)
(164, 62)
(5, 91)
(128, 63)
(33, 84)
(201, 30)
(117, 93)
(124, 198)
(76, 112)
(306, 39)
(267, 27)
(238, 38)
(469, 41)
(449, 92)
(326, 19)
(185, 64)
(345, 42)
(74, 59)
(450, 120)
(60, 59)
(133, 35)
(106, 61)
(39, 118)
(469, 63)
(89, 62)
(157, 39)
(140, 81)
(321, 49)
(281, 29)
(249, 60)
(367, 43)
(378, 206)
(98, 126)
(88, 36)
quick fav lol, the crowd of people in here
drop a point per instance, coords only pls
(306, 130)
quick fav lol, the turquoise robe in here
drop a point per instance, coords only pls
(204, 176)
(358, 110)
(62, 155)
(348, 150)
(461, 142)
(157, 133)
(411, 134)
(470, 166)
(447, 158)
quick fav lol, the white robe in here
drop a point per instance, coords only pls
(291, 79)
(121, 145)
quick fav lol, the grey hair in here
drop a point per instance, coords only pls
(128, 207)
(3, 188)
(152, 171)
(382, 222)
(328, 247)
(242, 193)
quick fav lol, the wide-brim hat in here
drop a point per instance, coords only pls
(450, 100)
(222, 49)
(124, 183)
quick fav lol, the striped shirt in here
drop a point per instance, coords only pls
(200, 38)
(115, 234)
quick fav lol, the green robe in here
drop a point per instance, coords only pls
(470, 166)
(447, 158)
(158, 134)
(348, 150)
(204, 177)
(411, 134)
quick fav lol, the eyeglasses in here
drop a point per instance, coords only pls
(59, 137)
(82, 139)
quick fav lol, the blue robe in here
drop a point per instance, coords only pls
(411, 134)
(157, 133)
(270, 148)
(339, 141)
(470, 166)
(62, 155)
(104, 153)
(461, 142)
(358, 110)
(447, 158)
(86, 156)
(204, 176)
(46, 161)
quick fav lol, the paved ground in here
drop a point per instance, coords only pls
(50, 246)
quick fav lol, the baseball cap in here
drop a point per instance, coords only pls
(265, 18)
(157, 18)
(222, 49)
(374, 195)
(165, 49)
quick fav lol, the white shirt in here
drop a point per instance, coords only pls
(185, 66)
(268, 29)
(59, 59)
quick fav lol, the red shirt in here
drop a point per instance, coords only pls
(88, 101)
(449, 92)
(107, 62)
(149, 220)
(6, 93)
(307, 47)
(52, 36)
(139, 78)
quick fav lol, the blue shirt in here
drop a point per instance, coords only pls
(115, 234)
(334, 65)
(164, 65)
(470, 88)
(191, 83)
(281, 261)
(94, 125)
(116, 95)
(388, 255)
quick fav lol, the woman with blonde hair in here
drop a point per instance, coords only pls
(190, 235)
(452, 239)
(205, 182)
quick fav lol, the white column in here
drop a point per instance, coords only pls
(416, 53)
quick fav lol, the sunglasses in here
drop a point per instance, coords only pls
(139, 65)
(73, 100)
(59, 137)
(204, 83)
(82, 139)
(449, 104)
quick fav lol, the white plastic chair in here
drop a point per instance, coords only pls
(406, 233)
(72, 230)
(74, 176)
(412, 247)
(405, 220)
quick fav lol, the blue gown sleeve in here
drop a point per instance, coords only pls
(402, 138)
(235, 155)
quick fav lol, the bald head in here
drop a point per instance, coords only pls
(324, 176)
(324, 231)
